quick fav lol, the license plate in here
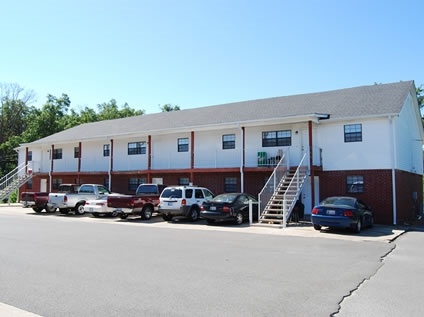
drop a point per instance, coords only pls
(170, 204)
(212, 208)
(331, 212)
(91, 209)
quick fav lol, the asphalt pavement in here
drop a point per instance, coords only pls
(394, 290)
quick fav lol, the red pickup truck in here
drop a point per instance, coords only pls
(144, 203)
(38, 201)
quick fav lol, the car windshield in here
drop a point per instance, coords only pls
(224, 198)
(340, 201)
(172, 193)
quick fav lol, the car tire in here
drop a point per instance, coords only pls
(50, 210)
(64, 211)
(239, 218)
(371, 224)
(37, 210)
(193, 215)
(317, 227)
(358, 226)
(123, 216)
(114, 214)
(79, 209)
(210, 221)
(146, 213)
(167, 217)
(95, 214)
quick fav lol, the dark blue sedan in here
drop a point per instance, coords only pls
(342, 212)
(229, 207)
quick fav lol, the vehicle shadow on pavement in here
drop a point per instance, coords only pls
(375, 231)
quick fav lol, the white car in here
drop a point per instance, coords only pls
(183, 201)
(98, 207)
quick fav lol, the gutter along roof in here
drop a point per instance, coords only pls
(364, 101)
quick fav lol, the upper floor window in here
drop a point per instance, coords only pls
(228, 141)
(76, 152)
(355, 184)
(29, 155)
(57, 154)
(353, 133)
(106, 150)
(183, 145)
(136, 148)
(276, 138)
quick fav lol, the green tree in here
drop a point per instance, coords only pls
(420, 96)
(168, 108)
(110, 110)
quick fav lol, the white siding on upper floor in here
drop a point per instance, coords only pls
(92, 158)
(408, 139)
(122, 161)
(373, 152)
(165, 153)
(208, 151)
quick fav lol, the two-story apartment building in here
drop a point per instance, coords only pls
(363, 141)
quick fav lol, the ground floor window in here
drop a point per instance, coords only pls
(134, 182)
(183, 181)
(56, 183)
(230, 184)
(355, 184)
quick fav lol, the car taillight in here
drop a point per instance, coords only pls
(348, 213)
(183, 202)
(35, 196)
(315, 211)
(226, 209)
(132, 203)
(202, 208)
(65, 199)
(87, 203)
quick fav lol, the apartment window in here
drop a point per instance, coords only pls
(230, 184)
(56, 183)
(228, 141)
(183, 145)
(29, 155)
(183, 181)
(136, 148)
(57, 154)
(76, 152)
(29, 184)
(134, 182)
(106, 182)
(353, 133)
(276, 138)
(355, 184)
(106, 150)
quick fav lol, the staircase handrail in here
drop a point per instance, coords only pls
(296, 179)
(271, 178)
(12, 175)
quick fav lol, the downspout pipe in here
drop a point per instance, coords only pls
(394, 170)
(242, 159)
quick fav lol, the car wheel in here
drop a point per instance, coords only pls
(95, 214)
(167, 217)
(371, 222)
(194, 214)
(239, 218)
(317, 227)
(50, 210)
(123, 216)
(79, 209)
(37, 210)
(114, 214)
(358, 226)
(147, 212)
(210, 221)
(64, 211)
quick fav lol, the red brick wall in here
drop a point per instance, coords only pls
(378, 192)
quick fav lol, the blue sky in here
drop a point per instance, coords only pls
(199, 53)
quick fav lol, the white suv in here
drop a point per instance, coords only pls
(183, 201)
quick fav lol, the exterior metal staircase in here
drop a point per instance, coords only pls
(13, 180)
(285, 194)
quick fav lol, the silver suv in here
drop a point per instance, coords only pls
(183, 201)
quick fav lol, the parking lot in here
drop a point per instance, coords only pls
(301, 229)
